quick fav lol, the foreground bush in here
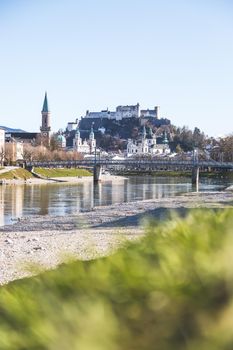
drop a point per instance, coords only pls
(171, 290)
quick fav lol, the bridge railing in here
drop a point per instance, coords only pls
(133, 162)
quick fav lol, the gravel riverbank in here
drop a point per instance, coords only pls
(47, 241)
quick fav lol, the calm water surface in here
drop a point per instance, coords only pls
(61, 199)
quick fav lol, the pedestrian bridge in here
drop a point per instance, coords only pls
(136, 164)
(139, 165)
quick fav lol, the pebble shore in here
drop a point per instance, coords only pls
(65, 180)
(47, 241)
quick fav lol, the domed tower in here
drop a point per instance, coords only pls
(61, 140)
(144, 133)
(165, 139)
(77, 142)
(152, 138)
(145, 148)
(92, 141)
(45, 127)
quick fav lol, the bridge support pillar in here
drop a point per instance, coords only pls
(97, 173)
(195, 176)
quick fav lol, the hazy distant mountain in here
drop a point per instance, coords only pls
(10, 129)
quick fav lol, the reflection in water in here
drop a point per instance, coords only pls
(62, 199)
(12, 200)
(44, 202)
(97, 189)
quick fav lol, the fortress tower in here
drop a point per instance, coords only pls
(45, 127)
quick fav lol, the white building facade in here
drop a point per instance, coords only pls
(84, 146)
(14, 150)
(128, 112)
(146, 145)
(2, 146)
(150, 113)
(105, 114)
(132, 111)
(72, 126)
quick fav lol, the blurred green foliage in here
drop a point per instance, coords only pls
(173, 289)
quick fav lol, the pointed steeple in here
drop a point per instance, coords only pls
(92, 135)
(45, 125)
(144, 132)
(150, 133)
(77, 133)
(45, 108)
(165, 139)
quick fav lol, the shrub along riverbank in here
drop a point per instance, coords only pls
(171, 290)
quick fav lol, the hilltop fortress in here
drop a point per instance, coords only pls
(112, 127)
(122, 112)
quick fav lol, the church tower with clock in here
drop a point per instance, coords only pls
(45, 128)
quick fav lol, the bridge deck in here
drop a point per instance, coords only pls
(137, 164)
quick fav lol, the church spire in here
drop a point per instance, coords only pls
(77, 133)
(92, 135)
(144, 132)
(45, 127)
(45, 108)
(165, 139)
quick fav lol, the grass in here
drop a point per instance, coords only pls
(172, 290)
(62, 172)
(19, 174)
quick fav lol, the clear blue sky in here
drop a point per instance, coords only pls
(93, 54)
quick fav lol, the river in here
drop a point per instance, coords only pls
(61, 199)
